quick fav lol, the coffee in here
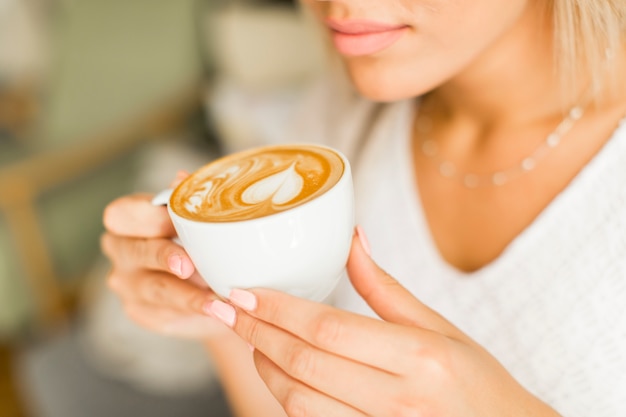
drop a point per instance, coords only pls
(257, 183)
(234, 220)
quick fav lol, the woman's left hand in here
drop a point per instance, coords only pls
(321, 361)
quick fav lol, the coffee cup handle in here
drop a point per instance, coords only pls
(162, 198)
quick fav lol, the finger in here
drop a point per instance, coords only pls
(198, 281)
(161, 289)
(339, 377)
(297, 398)
(340, 332)
(135, 216)
(155, 254)
(386, 296)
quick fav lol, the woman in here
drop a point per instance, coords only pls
(491, 187)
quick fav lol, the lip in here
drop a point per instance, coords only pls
(364, 37)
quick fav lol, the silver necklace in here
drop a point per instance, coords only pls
(448, 169)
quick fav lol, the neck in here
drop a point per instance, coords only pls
(500, 89)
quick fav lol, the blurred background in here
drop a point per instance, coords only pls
(99, 98)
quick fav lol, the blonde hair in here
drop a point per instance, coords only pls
(590, 41)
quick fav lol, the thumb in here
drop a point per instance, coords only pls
(386, 296)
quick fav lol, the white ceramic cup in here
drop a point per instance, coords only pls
(301, 251)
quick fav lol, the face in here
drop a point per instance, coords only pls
(395, 49)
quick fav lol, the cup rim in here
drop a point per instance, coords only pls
(346, 176)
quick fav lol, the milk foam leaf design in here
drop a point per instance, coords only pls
(281, 188)
(195, 200)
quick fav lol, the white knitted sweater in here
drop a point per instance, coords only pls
(551, 308)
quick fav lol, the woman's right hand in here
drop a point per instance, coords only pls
(154, 276)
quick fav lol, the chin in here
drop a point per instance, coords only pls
(378, 83)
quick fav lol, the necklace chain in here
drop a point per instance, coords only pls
(448, 169)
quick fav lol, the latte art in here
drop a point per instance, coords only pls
(280, 188)
(257, 183)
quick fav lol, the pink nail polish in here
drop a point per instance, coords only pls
(243, 299)
(175, 263)
(206, 308)
(363, 239)
(186, 268)
(224, 312)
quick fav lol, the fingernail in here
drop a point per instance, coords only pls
(206, 308)
(243, 299)
(223, 312)
(186, 268)
(250, 347)
(175, 263)
(363, 239)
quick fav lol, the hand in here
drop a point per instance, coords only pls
(154, 276)
(320, 361)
